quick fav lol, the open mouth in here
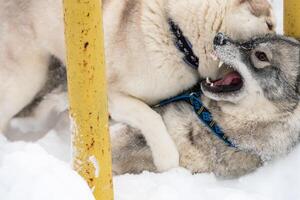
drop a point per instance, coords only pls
(229, 80)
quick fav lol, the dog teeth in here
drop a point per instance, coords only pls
(220, 64)
(208, 80)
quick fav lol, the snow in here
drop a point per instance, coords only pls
(28, 172)
(40, 169)
(276, 181)
(95, 163)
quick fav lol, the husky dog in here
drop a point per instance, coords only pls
(143, 63)
(31, 32)
(256, 102)
(145, 67)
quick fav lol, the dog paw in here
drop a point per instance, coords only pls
(23, 125)
(166, 158)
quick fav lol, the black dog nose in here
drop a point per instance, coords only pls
(220, 39)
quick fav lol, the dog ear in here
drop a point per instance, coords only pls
(259, 7)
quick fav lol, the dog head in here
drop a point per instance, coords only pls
(247, 18)
(262, 72)
(201, 20)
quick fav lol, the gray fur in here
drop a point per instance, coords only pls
(262, 119)
(280, 79)
(143, 65)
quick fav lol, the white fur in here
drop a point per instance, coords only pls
(144, 67)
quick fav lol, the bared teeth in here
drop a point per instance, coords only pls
(208, 80)
(220, 64)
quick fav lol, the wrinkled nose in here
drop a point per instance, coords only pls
(220, 39)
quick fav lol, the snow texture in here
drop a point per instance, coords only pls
(40, 170)
(275, 181)
(28, 172)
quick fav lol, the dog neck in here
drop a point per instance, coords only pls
(183, 44)
(194, 27)
(267, 137)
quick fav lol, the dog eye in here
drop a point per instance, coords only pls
(261, 56)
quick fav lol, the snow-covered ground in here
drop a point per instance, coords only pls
(28, 172)
(276, 181)
(40, 170)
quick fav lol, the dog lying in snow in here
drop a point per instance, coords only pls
(144, 66)
(256, 102)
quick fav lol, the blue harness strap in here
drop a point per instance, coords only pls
(193, 98)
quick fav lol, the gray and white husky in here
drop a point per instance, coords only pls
(143, 64)
(255, 100)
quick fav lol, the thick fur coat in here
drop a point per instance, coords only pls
(261, 118)
(143, 65)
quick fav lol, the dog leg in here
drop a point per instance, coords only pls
(139, 115)
(130, 152)
(232, 163)
(45, 115)
(21, 79)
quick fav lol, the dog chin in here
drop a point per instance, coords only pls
(232, 97)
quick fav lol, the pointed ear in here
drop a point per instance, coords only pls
(259, 7)
(238, 2)
(254, 1)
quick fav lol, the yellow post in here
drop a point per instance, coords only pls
(292, 18)
(87, 94)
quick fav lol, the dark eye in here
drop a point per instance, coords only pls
(261, 56)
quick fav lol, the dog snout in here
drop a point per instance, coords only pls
(221, 39)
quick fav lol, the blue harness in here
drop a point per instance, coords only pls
(193, 97)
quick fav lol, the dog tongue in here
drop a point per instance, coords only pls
(230, 79)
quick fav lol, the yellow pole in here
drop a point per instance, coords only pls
(87, 94)
(292, 18)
